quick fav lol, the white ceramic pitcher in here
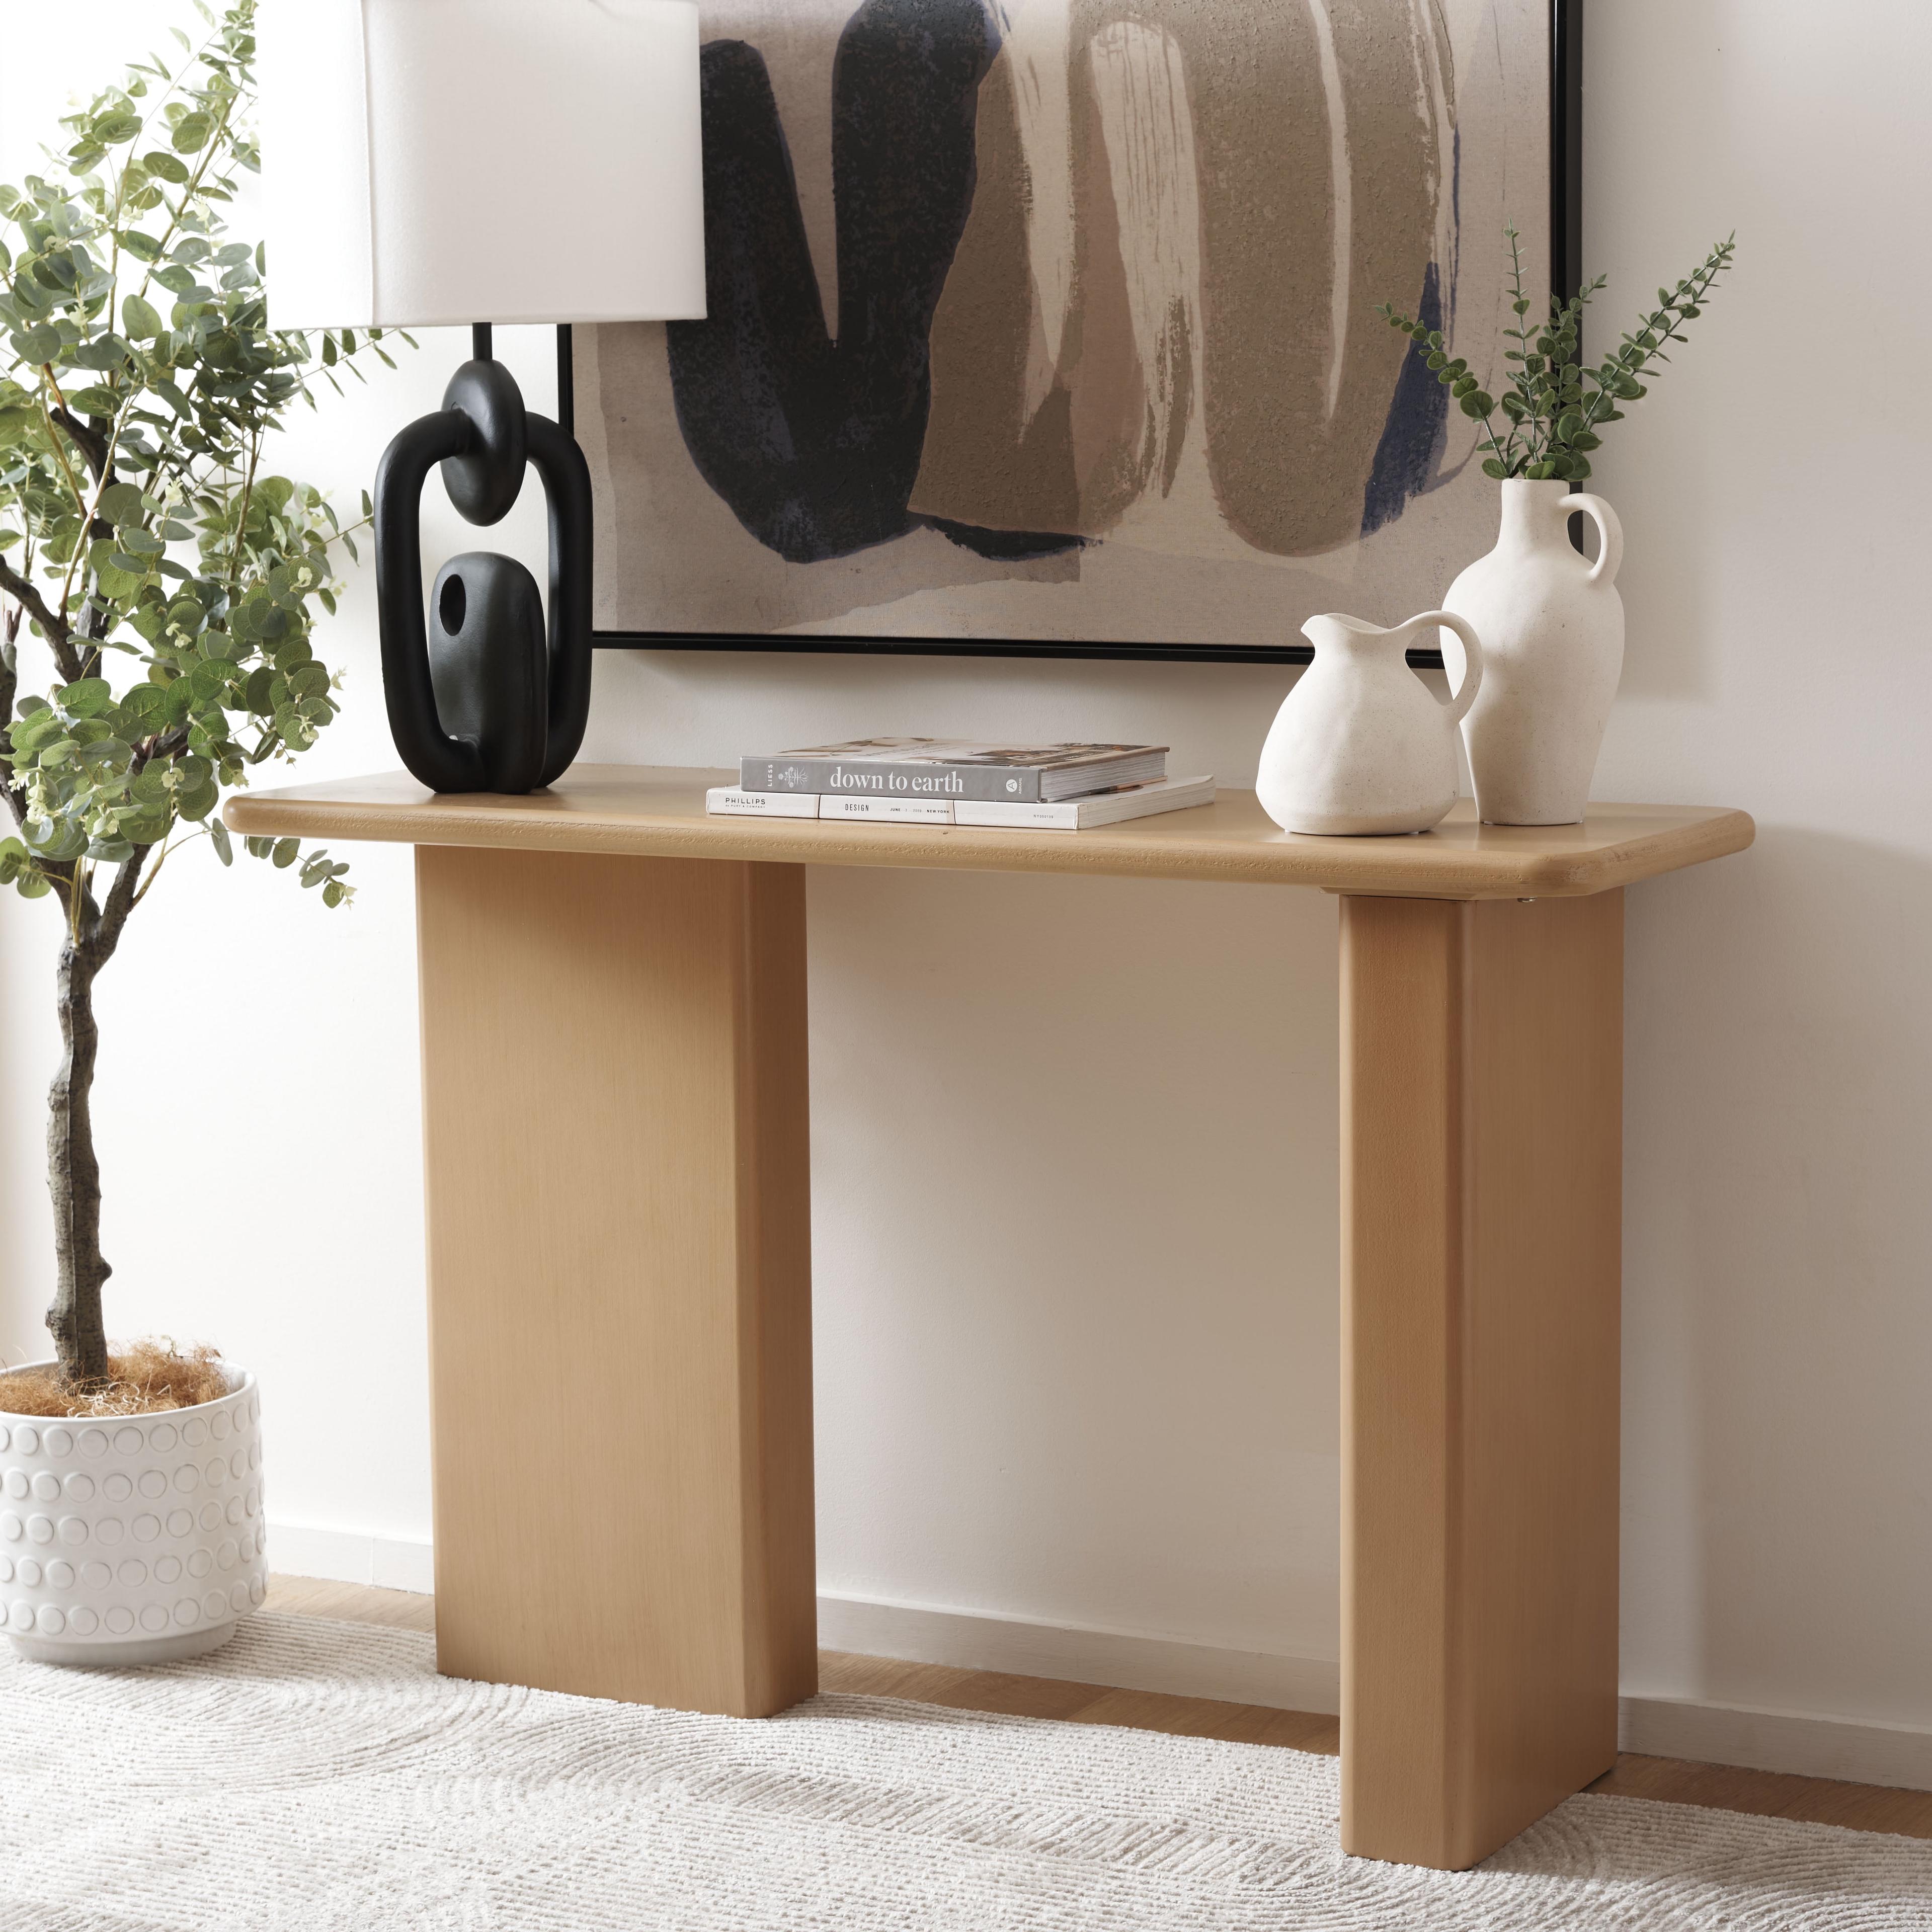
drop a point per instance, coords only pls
(1361, 744)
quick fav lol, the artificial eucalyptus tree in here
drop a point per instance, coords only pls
(152, 571)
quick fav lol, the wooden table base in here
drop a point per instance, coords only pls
(1481, 1135)
(619, 1261)
(614, 1085)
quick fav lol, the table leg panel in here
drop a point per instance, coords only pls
(617, 1177)
(1481, 1203)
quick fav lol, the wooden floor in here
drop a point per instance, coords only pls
(1861, 1807)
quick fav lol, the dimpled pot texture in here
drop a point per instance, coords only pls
(135, 1539)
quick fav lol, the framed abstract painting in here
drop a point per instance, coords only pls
(1047, 327)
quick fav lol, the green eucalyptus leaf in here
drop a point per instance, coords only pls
(194, 802)
(284, 853)
(217, 837)
(55, 840)
(140, 318)
(86, 698)
(105, 755)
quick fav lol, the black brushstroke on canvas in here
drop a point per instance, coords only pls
(1417, 429)
(815, 444)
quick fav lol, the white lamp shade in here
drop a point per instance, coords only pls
(428, 162)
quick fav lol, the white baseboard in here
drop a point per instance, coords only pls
(345, 1556)
(1807, 1746)
(1861, 1752)
(983, 1640)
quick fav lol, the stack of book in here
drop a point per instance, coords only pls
(949, 781)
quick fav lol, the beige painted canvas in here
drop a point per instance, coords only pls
(1054, 320)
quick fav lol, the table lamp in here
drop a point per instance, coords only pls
(429, 162)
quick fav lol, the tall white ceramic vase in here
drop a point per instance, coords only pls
(1553, 630)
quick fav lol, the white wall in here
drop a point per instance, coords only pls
(1075, 1276)
(1778, 1276)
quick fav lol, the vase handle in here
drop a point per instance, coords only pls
(1610, 536)
(1458, 707)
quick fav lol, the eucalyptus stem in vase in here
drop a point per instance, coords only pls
(1551, 623)
(1554, 404)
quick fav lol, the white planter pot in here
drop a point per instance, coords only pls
(1553, 630)
(131, 1539)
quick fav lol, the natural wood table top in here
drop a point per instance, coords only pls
(658, 812)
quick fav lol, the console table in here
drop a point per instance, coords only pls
(614, 1093)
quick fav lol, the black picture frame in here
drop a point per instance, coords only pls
(1566, 257)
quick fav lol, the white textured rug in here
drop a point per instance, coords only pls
(321, 1775)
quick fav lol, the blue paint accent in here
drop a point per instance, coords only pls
(1417, 429)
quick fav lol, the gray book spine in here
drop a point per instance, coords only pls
(985, 785)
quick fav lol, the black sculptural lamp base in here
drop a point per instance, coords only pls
(484, 697)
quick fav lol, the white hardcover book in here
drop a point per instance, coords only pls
(1080, 814)
(734, 802)
(924, 811)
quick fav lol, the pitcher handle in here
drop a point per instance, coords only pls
(1610, 536)
(1472, 648)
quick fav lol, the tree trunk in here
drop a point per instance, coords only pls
(73, 1178)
